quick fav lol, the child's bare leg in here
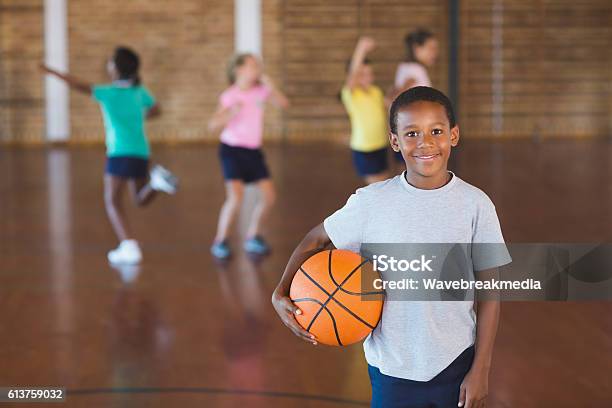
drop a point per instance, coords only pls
(113, 194)
(141, 191)
(263, 206)
(234, 190)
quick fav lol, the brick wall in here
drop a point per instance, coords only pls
(551, 65)
(21, 85)
(536, 68)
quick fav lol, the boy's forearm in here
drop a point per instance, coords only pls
(486, 330)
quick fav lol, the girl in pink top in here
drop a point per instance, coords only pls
(240, 116)
(421, 55)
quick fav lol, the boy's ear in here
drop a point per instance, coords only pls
(394, 141)
(454, 136)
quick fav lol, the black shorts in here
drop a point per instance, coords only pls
(368, 163)
(127, 167)
(441, 391)
(241, 163)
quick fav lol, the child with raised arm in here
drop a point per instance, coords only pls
(365, 104)
(240, 117)
(125, 105)
(422, 353)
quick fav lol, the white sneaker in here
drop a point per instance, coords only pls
(127, 253)
(163, 180)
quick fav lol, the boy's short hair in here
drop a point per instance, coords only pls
(416, 94)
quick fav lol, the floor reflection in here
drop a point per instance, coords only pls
(244, 326)
(139, 338)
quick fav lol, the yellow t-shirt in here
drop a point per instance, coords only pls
(368, 115)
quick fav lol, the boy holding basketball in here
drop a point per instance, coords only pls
(421, 354)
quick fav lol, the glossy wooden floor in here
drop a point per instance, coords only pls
(181, 331)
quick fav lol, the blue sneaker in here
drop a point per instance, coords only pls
(221, 250)
(257, 246)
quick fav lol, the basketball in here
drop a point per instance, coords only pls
(334, 290)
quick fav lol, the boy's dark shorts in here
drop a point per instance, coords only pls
(127, 167)
(241, 163)
(442, 391)
(369, 163)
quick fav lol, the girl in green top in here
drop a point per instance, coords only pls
(125, 105)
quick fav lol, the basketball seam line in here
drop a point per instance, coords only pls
(330, 296)
(323, 305)
(328, 312)
(348, 292)
(337, 301)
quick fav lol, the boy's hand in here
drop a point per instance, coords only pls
(287, 310)
(366, 44)
(474, 389)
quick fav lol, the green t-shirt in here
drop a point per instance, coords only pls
(124, 109)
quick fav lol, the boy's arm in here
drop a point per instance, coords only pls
(312, 243)
(72, 82)
(277, 98)
(364, 46)
(474, 388)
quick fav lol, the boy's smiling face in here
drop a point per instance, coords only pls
(425, 138)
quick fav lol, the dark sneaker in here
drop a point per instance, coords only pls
(256, 245)
(221, 250)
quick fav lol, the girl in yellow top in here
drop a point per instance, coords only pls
(365, 105)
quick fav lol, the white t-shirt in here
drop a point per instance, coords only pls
(416, 340)
(411, 70)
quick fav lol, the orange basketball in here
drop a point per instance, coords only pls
(334, 290)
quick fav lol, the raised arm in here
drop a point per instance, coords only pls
(73, 83)
(277, 98)
(312, 243)
(364, 46)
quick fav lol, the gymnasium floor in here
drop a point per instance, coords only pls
(183, 331)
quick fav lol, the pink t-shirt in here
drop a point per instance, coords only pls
(411, 70)
(245, 129)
